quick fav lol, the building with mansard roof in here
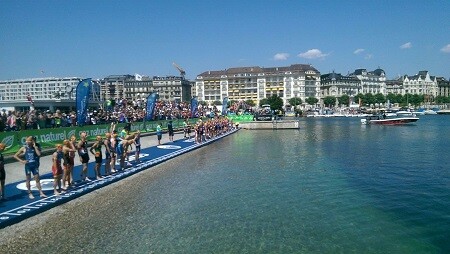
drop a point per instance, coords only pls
(421, 83)
(394, 86)
(256, 83)
(360, 81)
(443, 87)
(335, 84)
(373, 82)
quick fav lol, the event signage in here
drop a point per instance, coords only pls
(48, 138)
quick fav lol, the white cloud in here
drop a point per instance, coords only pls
(446, 49)
(280, 56)
(358, 51)
(368, 56)
(312, 54)
(407, 45)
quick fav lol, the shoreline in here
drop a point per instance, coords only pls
(18, 207)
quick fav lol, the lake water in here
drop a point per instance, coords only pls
(332, 186)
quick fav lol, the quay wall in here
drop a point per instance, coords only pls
(270, 125)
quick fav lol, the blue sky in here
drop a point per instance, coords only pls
(100, 38)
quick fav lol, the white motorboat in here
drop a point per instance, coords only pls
(389, 120)
(429, 112)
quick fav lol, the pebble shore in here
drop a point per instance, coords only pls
(74, 226)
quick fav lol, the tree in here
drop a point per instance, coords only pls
(329, 101)
(398, 98)
(417, 99)
(369, 99)
(344, 100)
(406, 99)
(263, 101)
(442, 99)
(380, 98)
(275, 102)
(295, 101)
(217, 103)
(311, 101)
(251, 103)
(359, 97)
(392, 98)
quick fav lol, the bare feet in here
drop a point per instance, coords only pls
(30, 195)
(43, 195)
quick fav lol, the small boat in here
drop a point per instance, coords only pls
(429, 112)
(389, 120)
(404, 113)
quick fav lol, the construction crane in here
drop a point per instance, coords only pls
(182, 72)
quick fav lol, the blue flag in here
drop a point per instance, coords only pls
(194, 107)
(151, 103)
(82, 100)
(224, 106)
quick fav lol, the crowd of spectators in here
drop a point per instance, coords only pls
(123, 111)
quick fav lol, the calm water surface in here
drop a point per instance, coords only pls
(332, 186)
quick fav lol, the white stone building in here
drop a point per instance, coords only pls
(256, 83)
(335, 84)
(421, 83)
(373, 82)
(46, 93)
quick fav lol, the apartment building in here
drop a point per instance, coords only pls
(421, 83)
(46, 93)
(443, 87)
(373, 82)
(256, 83)
(336, 84)
(134, 87)
(172, 88)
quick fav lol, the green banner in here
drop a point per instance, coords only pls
(48, 138)
(10, 140)
(241, 118)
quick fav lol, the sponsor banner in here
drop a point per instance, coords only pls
(151, 102)
(225, 106)
(10, 140)
(48, 138)
(194, 107)
(241, 118)
(82, 100)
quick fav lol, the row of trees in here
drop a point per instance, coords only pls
(371, 99)
(366, 99)
(276, 102)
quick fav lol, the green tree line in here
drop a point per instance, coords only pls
(276, 102)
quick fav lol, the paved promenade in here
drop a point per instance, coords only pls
(15, 171)
(18, 206)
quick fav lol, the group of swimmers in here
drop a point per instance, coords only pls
(209, 129)
(63, 159)
(116, 147)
